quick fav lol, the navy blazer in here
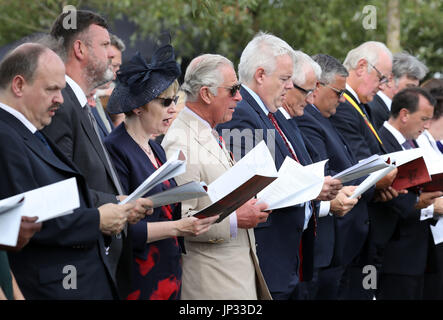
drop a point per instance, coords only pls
(133, 167)
(74, 134)
(354, 130)
(406, 250)
(333, 246)
(74, 239)
(279, 237)
(379, 111)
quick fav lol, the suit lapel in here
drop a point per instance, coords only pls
(204, 137)
(36, 146)
(89, 130)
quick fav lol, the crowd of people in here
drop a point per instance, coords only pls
(70, 108)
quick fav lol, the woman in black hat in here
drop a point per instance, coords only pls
(146, 93)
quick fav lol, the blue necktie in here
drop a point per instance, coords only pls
(42, 138)
(440, 146)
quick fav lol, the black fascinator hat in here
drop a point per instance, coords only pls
(139, 82)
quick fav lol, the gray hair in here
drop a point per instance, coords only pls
(302, 64)
(261, 51)
(204, 71)
(368, 51)
(330, 67)
(117, 42)
(405, 64)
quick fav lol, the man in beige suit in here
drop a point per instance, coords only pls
(222, 263)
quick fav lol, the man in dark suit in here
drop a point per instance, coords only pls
(333, 251)
(407, 72)
(264, 88)
(409, 247)
(32, 77)
(75, 131)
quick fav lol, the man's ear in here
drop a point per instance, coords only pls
(404, 115)
(259, 75)
(17, 85)
(206, 95)
(362, 67)
(79, 49)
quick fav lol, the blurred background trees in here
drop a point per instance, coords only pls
(225, 26)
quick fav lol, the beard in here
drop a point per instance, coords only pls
(98, 72)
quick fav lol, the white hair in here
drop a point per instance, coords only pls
(369, 51)
(204, 71)
(302, 64)
(262, 51)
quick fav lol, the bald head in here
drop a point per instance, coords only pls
(23, 61)
(31, 79)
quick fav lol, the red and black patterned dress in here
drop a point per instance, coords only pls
(157, 265)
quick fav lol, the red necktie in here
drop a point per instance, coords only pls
(277, 127)
(294, 156)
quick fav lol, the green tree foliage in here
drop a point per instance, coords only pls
(225, 26)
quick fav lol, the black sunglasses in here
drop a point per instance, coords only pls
(306, 92)
(233, 89)
(167, 101)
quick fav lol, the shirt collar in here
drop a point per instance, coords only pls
(206, 123)
(397, 134)
(285, 113)
(19, 116)
(81, 96)
(385, 98)
(348, 87)
(257, 99)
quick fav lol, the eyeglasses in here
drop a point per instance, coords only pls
(339, 93)
(167, 101)
(306, 92)
(381, 77)
(233, 89)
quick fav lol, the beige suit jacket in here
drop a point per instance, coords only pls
(216, 266)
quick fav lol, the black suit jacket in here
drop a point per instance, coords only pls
(70, 240)
(74, 134)
(407, 248)
(278, 239)
(379, 111)
(354, 130)
(333, 246)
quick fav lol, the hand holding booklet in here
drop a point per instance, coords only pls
(240, 183)
(175, 166)
(46, 203)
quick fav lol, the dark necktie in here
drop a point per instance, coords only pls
(108, 159)
(42, 138)
(440, 146)
(277, 127)
(408, 144)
